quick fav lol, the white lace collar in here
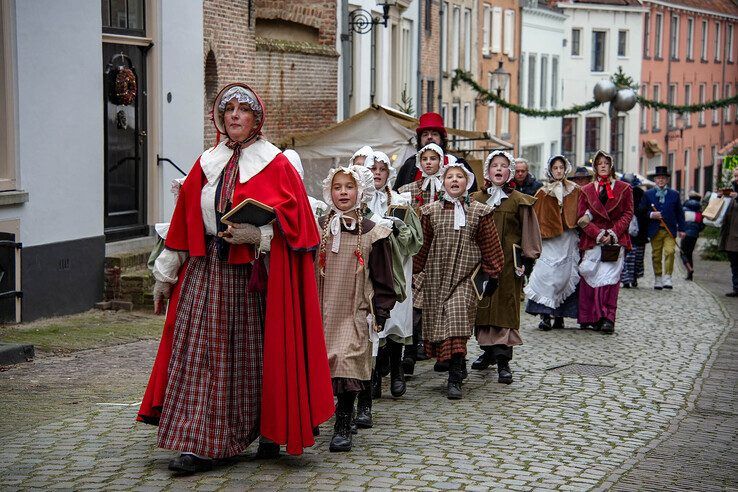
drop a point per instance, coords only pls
(252, 161)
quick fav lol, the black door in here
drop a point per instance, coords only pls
(8, 265)
(124, 75)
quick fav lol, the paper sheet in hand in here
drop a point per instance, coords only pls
(250, 211)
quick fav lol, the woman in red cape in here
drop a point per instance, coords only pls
(241, 355)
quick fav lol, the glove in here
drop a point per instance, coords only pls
(490, 287)
(162, 291)
(242, 234)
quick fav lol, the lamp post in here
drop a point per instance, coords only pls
(361, 20)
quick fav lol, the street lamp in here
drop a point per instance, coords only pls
(361, 20)
(498, 79)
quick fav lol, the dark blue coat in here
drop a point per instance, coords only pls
(693, 228)
(671, 210)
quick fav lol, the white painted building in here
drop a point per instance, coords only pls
(78, 164)
(542, 52)
(381, 64)
(600, 37)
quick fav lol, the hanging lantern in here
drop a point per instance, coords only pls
(604, 91)
(625, 100)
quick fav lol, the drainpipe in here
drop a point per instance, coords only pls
(441, 13)
(418, 79)
(346, 52)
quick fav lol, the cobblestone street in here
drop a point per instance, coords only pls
(548, 430)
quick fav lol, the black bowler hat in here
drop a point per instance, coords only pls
(660, 171)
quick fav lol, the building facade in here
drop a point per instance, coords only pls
(542, 51)
(689, 56)
(601, 36)
(429, 71)
(498, 38)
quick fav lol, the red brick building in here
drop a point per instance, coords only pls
(430, 56)
(689, 56)
(274, 47)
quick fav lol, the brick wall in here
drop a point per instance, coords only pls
(276, 69)
(429, 54)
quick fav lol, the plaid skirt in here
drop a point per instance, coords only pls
(213, 396)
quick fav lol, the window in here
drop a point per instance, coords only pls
(674, 38)
(686, 169)
(554, 82)
(715, 95)
(124, 17)
(678, 181)
(509, 44)
(466, 118)
(690, 38)
(703, 42)
(617, 139)
(592, 132)
(729, 43)
(428, 16)
(486, 25)
(445, 37)
(454, 122)
(644, 113)
(657, 39)
(717, 41)
(598, 51)
(467, 40)
(726, 109)
(430, 95)
(522, 81)
(496, 29)
(444, 111)
(569, 139)
(708, 177)
(576, 39)
(703, 90)
(688, 101)
(7, 118)
(647, 35)
(544, 82)
(532, 154)
(531, 81)
(698, 168)
(554, 148)
(672, 100)
(655, 125)
(455, 38)
(491, 112)
(622, 43)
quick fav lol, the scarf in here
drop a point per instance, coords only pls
(606, 183)
(559, 189)
(335, 227)
(661, 194)
(459, 212)
(378, 204)
(230, 177)
(432, 182)
(496, 195)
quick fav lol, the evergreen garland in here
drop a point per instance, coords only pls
(620, 79)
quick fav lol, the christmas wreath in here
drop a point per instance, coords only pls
(124, 87)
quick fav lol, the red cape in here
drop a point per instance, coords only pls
(296, 384)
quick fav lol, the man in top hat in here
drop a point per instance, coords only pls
(664, 209)
(430, 130)
(581, 176)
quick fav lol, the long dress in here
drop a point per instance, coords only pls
(350, 294)
(206, 389)
(552, 287)
(449, 257)
(498, 316)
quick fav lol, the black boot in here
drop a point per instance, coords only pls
(607, 326)
(418, 335)
(503, 354)
(188, 464)
(558, 323)
(363, 418)
(342, 439)
(397, 376)
(545, 323)
(383, 361)
(376, 385)
(441, 366)
(408, 359)
(455, 377)
(483, 361)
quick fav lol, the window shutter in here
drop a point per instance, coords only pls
(485, 30)
(509, 44)
(496, 29)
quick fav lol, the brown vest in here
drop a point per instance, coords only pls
(552, 219)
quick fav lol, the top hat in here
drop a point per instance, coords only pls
(431, 121)
(660, 171)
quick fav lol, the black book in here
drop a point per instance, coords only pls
(518, 256)
(250, 211)
(479, 279)
(399, 211)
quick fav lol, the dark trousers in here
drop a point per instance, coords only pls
(733, 257)
(498, 352)
(687, 247)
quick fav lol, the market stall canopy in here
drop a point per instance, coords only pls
(382, 128)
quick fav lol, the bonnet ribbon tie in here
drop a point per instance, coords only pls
(335, 227)
(459, 212)
(496, 195)
(230, 176)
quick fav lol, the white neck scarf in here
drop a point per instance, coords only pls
(378, 203)
(559, 189)
(432, 182)
(335, 227)
(496, 195)
(459, 212)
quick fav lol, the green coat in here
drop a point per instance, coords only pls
(516, 224)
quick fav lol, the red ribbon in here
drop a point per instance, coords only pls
(606, 183)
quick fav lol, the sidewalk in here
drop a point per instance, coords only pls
(700, 452)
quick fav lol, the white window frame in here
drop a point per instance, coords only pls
(491, 110)
(8, 118)
(496, 45)
(672, 99)
(543, 97)
(702, 95)
(623, 33)
(604, 52)
(690, 38)
(467, 39)
(579, 30)
(687, 169)
(644, 113)
(729, 42)
(455, 38)
(508, 46)
(726, 109)
(718, 51)
(531, 86)
(647, 35)
(554, 81)
(715, 96)
(445, 37)
(674, 37)
(687, 102)
(655, 120)
(703, 40)
(486, 24)
(659, 35)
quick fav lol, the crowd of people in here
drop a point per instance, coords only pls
(272, 329)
